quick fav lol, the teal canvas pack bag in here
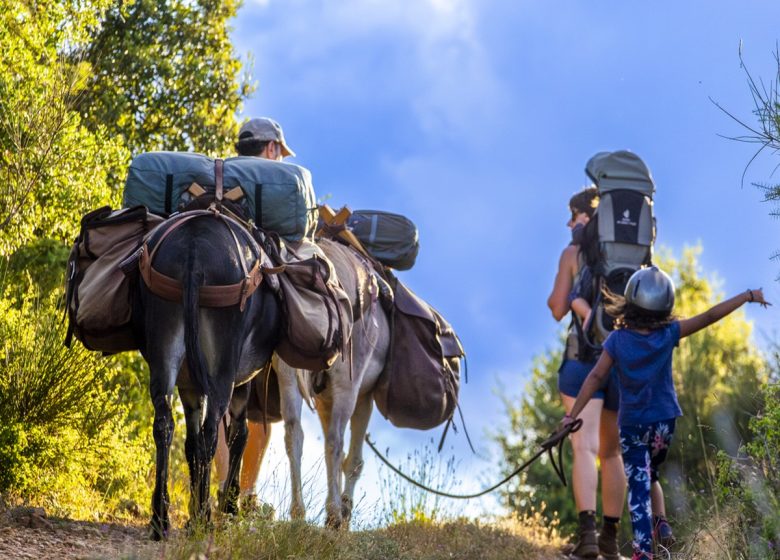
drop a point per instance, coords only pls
(158, 180)
(276, 196)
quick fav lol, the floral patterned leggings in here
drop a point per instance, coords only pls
(644, 449)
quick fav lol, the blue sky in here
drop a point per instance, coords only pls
(475, 119)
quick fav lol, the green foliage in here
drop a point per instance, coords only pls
(82, 86)
(765, 95)
(52, 169)
(63, 434)
(531, 420)
(178, 85)
(718, 374)
(748, 486)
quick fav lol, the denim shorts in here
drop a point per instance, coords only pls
(572, 374)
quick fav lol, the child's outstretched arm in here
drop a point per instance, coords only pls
(716, 313)
(592, 383)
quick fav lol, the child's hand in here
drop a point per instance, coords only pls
(566, 420)
(757, 296)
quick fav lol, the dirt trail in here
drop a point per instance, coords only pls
(29, 533)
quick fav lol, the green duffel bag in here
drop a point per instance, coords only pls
(158, 180)
(277, 196)
(390, 238)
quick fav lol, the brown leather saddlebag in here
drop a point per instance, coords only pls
(317, 313)
(97, 290)
(419, 385)
(265, 402)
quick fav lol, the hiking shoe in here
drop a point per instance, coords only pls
(608, 542)
(587, 545)
(663, 533)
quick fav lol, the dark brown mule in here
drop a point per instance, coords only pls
(203, 350)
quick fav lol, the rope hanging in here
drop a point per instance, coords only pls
(555, 440)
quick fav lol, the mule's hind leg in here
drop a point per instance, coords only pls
(195, 451)
(236, 438)
(163, 435)
(202, 418)
(163, 360)
(334, 416)
(291, 402)
(353, 464)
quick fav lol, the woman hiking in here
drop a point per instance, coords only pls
(640, 350)
(598, 439)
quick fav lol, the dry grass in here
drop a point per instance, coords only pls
(457, 539)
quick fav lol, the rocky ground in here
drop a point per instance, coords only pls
(29, 533)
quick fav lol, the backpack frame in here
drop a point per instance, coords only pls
(617, 241)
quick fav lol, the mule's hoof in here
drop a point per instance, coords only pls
(193, 527)
(227, 502)
(251, 505)
(157, 533)
(297, 513)
(334, 521)
(346, 509)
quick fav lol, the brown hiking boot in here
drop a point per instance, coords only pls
(662, 532)
(608, 542)
(587, 544)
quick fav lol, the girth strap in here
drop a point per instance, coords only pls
(210, 296)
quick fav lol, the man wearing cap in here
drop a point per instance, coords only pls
(262, 137)
(259, 137)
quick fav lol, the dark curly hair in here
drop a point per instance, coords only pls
(629, 316)
(587, 200)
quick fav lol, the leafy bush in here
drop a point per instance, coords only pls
(749, 486)
(64, 438)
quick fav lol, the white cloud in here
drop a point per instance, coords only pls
(424, 55)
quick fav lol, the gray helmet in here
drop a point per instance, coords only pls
(650, 289)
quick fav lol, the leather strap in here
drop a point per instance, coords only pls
(218, 166)
(209, 296)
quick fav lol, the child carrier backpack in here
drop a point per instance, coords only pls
(617, 241)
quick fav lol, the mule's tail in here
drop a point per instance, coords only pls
(196, 363)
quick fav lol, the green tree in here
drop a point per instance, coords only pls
(82, 86)
(718, 374)
(52, 169)
(531, 418)
(765, 132)
(748, 481)
(163, 76)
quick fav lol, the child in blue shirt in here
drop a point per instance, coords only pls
(641, 350)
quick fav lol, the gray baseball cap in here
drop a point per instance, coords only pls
(264, 129)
